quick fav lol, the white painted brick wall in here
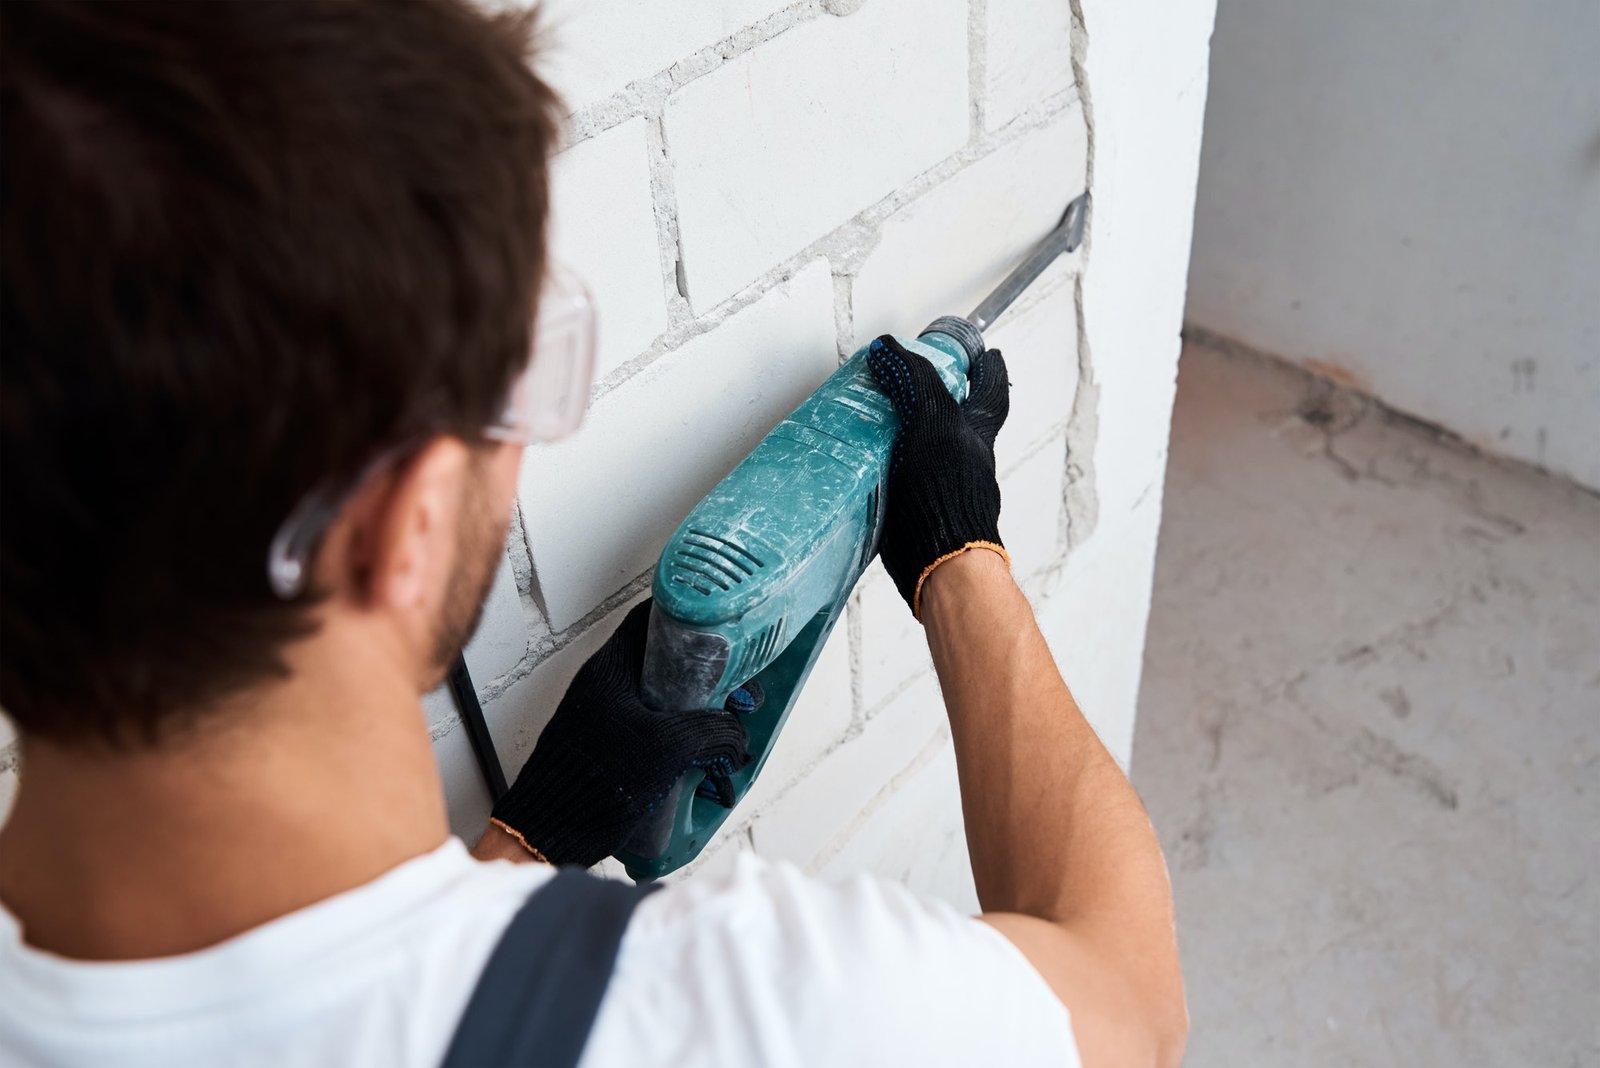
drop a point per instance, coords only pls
(911, 831)
(1039, 339)
(827, 803)
(501, 640)
(787, 141)
(754, 188)
(892, 647)
(1030, 513)
(1023, 54)
(597, 47)
(942, 252)
(1094, 622)
(603, 226)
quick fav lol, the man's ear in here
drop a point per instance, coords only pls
(401, 530)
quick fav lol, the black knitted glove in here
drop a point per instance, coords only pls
(943, 495)
(606, 760)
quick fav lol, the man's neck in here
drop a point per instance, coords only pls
(309, 791)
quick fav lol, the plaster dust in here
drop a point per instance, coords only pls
(1369, 734)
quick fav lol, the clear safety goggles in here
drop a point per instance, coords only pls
(549, 397)
(546, 402)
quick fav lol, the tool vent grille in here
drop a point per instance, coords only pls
(705, 561)
(759, 653)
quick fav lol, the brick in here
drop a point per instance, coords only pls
(603, 225)
(1040, 342)
(912, 833)
(1095, 622)
(893, 646)
(779, 146)
(597, 47)
(824, 803)
(1028, 55)
(819, 718)
(598, 507)
(465, 795)
(1030, 516)
(942, 252)
(501, 640)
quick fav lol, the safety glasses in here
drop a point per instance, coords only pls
(545, 403)
(549, 397)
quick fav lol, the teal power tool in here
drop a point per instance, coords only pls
(752, 582)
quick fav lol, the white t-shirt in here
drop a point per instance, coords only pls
(763, 966)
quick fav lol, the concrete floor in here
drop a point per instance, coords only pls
(1369, 735)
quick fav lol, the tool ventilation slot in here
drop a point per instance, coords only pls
(728, 556)
(759, 652)
(707, 562)
(697, 578)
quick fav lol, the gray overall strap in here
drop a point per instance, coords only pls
(541, 990)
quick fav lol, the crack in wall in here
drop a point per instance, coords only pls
(664, 203)
(844, 326)
(1080, 512)
(978, 65)
(857, 657)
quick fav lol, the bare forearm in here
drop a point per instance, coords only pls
(1055, 829)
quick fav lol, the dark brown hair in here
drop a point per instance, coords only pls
(245, 247)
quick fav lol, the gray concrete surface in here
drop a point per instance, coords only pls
(1369, 735)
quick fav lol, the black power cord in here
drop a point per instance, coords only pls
(466, 698)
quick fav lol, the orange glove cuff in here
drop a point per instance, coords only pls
(916, 595)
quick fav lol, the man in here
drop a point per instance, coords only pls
(271, 278)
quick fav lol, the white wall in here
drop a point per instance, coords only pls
(755, 188)
(1406, 196)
